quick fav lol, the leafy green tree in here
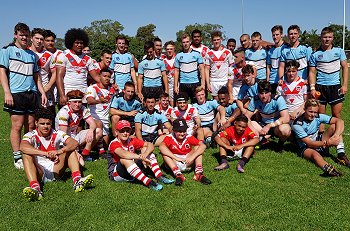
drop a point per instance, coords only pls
(206, 29)
(102, 35)
(310, 38)
(146, 33)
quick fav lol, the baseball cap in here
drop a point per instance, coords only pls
(180, 125)
(123, 124)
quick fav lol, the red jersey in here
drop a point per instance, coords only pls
(236, 139)
(180, 149)
(132, 145)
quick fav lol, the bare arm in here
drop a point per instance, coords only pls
(345, 76)
(203, 74)
(5, 86)
(176, 80)
(61, 71)
(133, 77)
(165, 82)
(281, 70)
(268, 72)
(207, 77)
(138, 133)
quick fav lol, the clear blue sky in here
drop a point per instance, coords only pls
(172, 16)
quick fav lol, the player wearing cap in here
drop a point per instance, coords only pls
(217, 62)
(73, 65)
(69, 117)
(149, 123)
(46, 155)
(181, 152)
(238, 139)
(125, 165)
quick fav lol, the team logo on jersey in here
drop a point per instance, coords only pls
(244, 140)
(131, 149)
(287, 53)
(193, 57)
(146, 64)
(336, 55)
(211, 56)
(84, 61)
(43, 59)
(181, 57)
(320, 56)
(298, 88)
(285, 89)
(118, 58)
(18, 54)
(71, 60)
(249, 55)
(121, 104)
(187, 146)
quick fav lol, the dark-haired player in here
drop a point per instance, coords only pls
(46, 155)
(73, 65)
(240, 140)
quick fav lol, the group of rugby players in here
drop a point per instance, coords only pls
(259, 91)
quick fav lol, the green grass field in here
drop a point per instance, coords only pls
(277, 192)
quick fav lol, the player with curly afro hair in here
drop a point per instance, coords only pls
(74, 34)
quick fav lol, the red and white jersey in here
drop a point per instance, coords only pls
(293, 93)
(201, 49)
(180, 148)
(170, 69)
(132, 144)
(219, 62)
(77, 69)
(190, 114)
(237, 139)
(66, 117)
(167, 112)
(44, 60)
(100, 111)
(46, 144)
(161, 56)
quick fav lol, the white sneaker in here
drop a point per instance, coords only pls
(18, 164)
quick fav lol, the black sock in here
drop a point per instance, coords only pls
(243, 161)
(223, 159)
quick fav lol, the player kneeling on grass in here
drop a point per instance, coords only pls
(314, 144)
(240, 140)
(46, 159)
(179, 155)
(125, 165)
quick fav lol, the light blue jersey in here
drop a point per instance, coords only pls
(248, 92)
(187, 63)
(121, 65)
(303, 128)
(206, 111)
(120, 103)
(152, 72)
(301, 54)
(230, 109)
(269, 112)
(20, 66)
(273, 60)
(257, 58)
(150, 122)
(328, 66)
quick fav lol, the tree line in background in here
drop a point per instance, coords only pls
(102, 36)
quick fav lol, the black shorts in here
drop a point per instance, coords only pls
(121, 170)
(273, 88)
(330, 94)
(320, 150)
(152, 91)
(152, 138)
(190, 89)
(24, 103)
(210, 126)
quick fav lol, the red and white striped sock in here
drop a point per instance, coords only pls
(136, 172)
(176, 171)
(155, 166)
(35, 185)
(76, 176)
(198, 169)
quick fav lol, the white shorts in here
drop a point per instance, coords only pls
(46, 166)
(80, 137)
(238, 153)
(105, 127)
(216, 86)
(182, 166)
(235, 88)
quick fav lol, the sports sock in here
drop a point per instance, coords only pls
(76, 176)
(198, 169)
(35, 185)
(243, 161)
(136, 172)
(155, 166)
(176, 171)
(223, 159)
(17, 155)
(85, 152)
(340, 148)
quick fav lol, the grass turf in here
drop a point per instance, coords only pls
(277, 192)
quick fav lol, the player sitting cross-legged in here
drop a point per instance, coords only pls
(46, 155)
(179, 155)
